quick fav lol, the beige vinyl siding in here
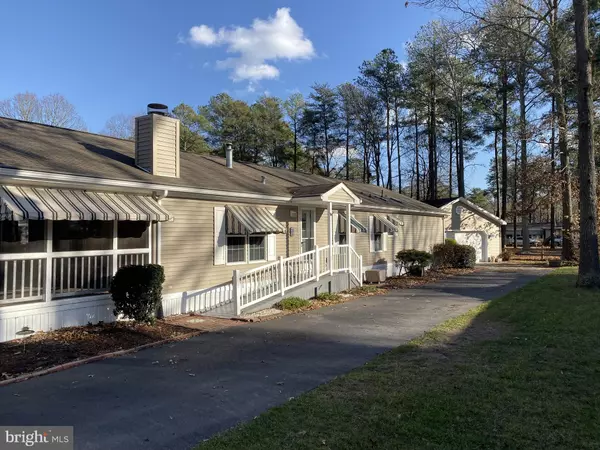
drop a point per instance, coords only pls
(418, 232)
(188, 245)
(166, 146)
(143, 145)
(340, 196)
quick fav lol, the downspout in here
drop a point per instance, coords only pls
(159, 196)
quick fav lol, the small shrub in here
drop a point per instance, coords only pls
(506, 256)
(454, 256)
(292, 303)
(450, 241)
(328, 297)
(465, 257)
(414, 261)
(137, 291)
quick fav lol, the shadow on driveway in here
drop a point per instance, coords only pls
(174, 396)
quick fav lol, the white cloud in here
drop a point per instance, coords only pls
(203, 35)
(258, 47)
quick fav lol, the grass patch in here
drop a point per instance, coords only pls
(292, 304)
(522, 371)
(365, 290)
(328, 297)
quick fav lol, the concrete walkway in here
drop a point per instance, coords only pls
(174, 396)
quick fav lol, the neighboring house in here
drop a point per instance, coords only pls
(232, 237)
(539, 232)
(472, 225)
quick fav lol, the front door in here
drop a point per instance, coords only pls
(308, 230)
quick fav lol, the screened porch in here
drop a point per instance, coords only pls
(56, 244)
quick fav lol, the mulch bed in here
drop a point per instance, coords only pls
(44, 350)
(407, 281)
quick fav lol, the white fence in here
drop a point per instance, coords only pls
(276, 278)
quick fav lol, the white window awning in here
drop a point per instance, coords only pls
(384, 225)
(356, 226)
(35, 203)
(251, 220)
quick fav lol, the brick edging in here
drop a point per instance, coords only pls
(81, 362)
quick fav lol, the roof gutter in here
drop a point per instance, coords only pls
(13, 175)
(401, 210)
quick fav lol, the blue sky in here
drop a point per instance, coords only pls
(110, 57)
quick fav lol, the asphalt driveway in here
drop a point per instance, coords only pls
(174, 396)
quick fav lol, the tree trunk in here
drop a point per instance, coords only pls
(514, 203)
(295, 146)
(431, 194)
(496, 172)
(460, 155)
(523, 134)
(568, 248)
(552, 171)
(398, 151)
(418, 174)
(389, 150)
(450, 165)
(347, 149)
(504, 81)
(589, 262)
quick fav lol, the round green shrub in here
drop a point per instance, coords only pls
(454, 256)
(137, 292)
(413, 261)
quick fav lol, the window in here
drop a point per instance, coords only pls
(81, 235)
(132, 234)
(342, 239)
(24, 236)
(256, 248)
(246, 248)
(378, 241)
(236, 249)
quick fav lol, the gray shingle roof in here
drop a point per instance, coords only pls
(42, 148)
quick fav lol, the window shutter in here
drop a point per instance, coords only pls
(271, 247)
(353, 240)
(220, 251)
(336, 228)
(371, 234)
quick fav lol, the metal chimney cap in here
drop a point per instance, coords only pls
(157, 108)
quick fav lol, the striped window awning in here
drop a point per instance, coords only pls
(34, 203)
(251, 220)
(355, 225)
(384, 225)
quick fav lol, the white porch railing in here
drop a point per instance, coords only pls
(24, 277)
(278, 277)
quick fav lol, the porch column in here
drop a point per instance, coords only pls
(48, 281)
(349, 242)
(348, 231)
(330, 228)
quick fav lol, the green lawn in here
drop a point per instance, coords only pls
(520, 372)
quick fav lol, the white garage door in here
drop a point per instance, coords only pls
(472, 239)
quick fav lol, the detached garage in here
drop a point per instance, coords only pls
(472, 225)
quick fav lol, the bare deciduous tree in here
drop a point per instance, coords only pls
(53, 109)
(120, 126)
